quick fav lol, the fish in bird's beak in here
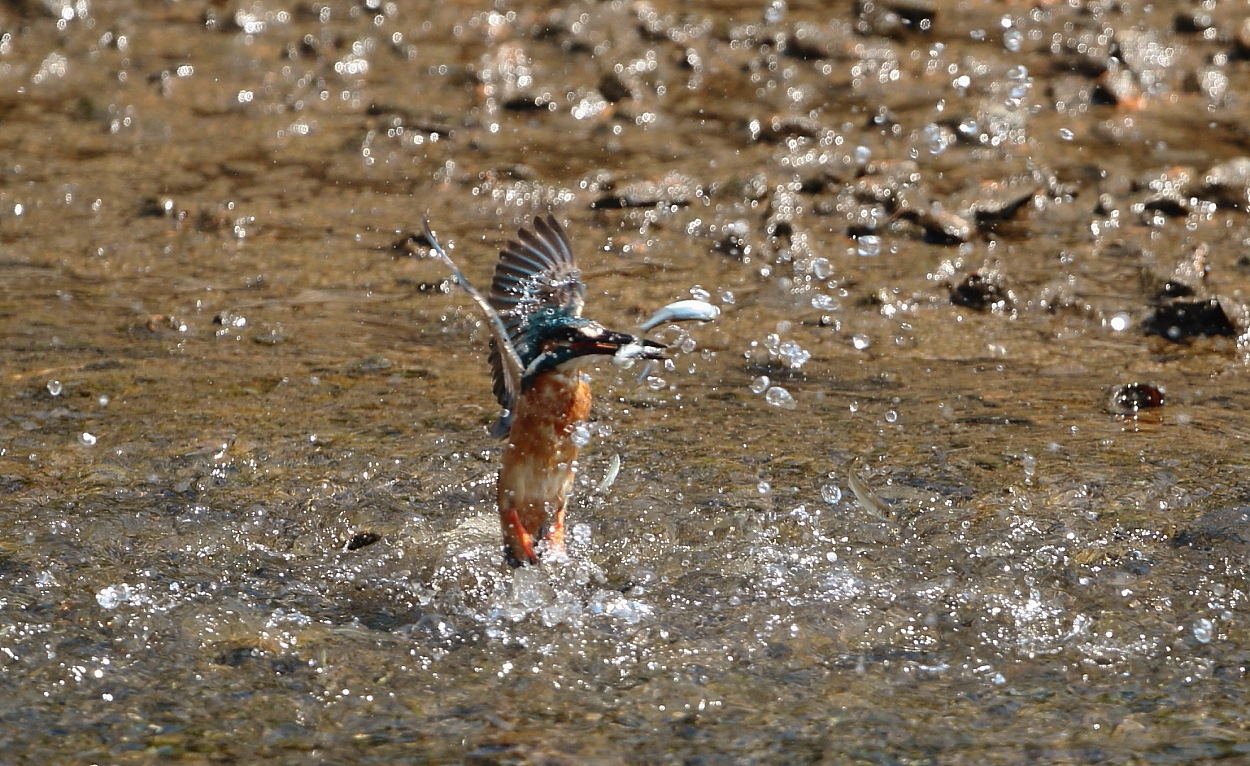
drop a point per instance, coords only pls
(610, 342)
(582, 337)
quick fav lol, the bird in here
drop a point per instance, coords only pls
(540, 347)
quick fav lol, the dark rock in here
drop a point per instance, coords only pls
(940, 226)
(983, 290)
(1129, 398)
(362, 539)
(1226, 526)
(810, 41)
(1181, 319)
(993, 201)
(894, 18)
(1166, 192)
(1193, 20)
(615, 87)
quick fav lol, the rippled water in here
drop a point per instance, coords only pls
(884, 510)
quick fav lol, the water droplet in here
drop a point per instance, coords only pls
(760, 384)
(86, 439)
(726, 297)
(779, 397)
(764, 487)
(581, 534)
(821, 268)
(863, 155)
(103, 400)
(1204, 630)
(861, 342)
(1119, 322)
(580, 435)
(868, 245)
(1013, 39)
(822, 302)
(699, 294)
(932, 138)
(113, 596)
(54, 387)
(793, 354)
(656, 383)
(688, 345)
(891, 416)
(1066, 134)
(774, 12)
(831, 493)
(772, 342)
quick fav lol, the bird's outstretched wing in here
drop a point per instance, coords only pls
(506, 365)
(535, 271)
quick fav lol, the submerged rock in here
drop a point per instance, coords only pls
(1226, 526)
(1227, 184)
(1183, 319)
(983, 290)
(1129, 398)
(673, 189)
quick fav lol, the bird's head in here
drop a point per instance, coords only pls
(554, 338)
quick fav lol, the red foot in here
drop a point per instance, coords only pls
(555, 533)
(522, 538)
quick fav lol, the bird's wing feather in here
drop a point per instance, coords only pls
(505, 363)
(535, 271)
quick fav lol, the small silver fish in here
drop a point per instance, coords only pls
(626, 354)
(868, 500)
(682, 311)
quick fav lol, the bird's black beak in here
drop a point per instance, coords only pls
(610, 342)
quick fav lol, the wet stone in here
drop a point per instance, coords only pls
(1182, 319)
(1242, 39)
(894, 18)
(412, 244)
(1129, 398)
(1144, 53)
(1226, 526)
(673, 189)
(809, 41)
(1187, 280)
(161, 207)
(1166, 191)
(886, 181)
(1117, 88)
(984, 290)
(780, 127)
(993, 201)
(940, 226)
(1228, 184)
(783, 209)
(1212, 82)
(362, 539)
(1193, 20)
(615, 86)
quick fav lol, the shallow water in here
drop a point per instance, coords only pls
(245, 483)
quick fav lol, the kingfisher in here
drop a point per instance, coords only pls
(540, 346)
